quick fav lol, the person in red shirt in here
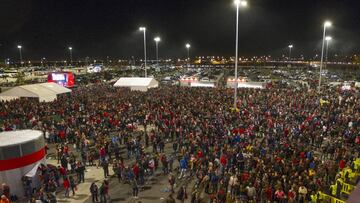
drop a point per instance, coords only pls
(302, 155)
(62, 171)
(199, 154)
(223, 160)
(62, 135)
(291, 195)
(280, 195)
(66, 150)
(278, 159)
(357, 140)
(66, 185)
(241, 131)
(295, 161)
(269, 193)
(136, 170)
(342, 164)
(244, 177)
(102, 154)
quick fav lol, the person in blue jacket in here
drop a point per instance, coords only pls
(183, 167)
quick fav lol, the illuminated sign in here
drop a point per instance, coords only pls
(62, 78)
(56, 76)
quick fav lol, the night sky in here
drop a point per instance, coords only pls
(100, 28)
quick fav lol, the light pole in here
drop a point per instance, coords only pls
(188, 53)
(290, 47)
(70, 51)
(326, 24)
(328, 39)
(20, 47)
(238, 3)
(157, 40)
(143, 29)
(43, 61)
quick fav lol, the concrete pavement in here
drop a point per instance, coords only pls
(155, 189)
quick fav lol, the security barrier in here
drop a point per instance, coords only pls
(357, 164)
(347, 188)
(352, 175)
(329, 199)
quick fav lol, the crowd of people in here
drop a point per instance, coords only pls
(51, 179)
(278, 145)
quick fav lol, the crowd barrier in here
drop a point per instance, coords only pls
(329, 199)
(357, 164)
(352, 175)
(346, 188)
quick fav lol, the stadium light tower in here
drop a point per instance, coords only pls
(187, 45)
(143, 29)
(188, 50)
(326, 24)
(20, 47)
(328, 39)
(157, 40)
(238, 3)
(70, 52)
(290, 47)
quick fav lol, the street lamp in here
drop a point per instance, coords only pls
(188, 53)
(290, 47)
(188, 50)
(326, 24)
(157, 40)
(241, 3)
(327, 39)
(70, 51)
(20, 47)
(238, 3)
(143, 29)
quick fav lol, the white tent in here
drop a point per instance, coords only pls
(58, 89)
(7, 98)
(43, 91)
(140, 84)
(201, 84)
(251, 85)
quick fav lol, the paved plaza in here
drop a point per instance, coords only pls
(155, 189)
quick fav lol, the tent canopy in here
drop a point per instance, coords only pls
(44, 91)
(33, 171)
(141, 84)
(200, 84)
(252, 85)
(58, 89)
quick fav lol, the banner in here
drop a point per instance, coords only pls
(22, 161)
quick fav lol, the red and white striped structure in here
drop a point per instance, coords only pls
(21, 152)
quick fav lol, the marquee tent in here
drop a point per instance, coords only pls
(200, 84)
(251, 85)
(139, 84)
(45, 92)
(58, 89)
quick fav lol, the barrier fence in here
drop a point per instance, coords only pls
(329, 199)
(346, 186)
